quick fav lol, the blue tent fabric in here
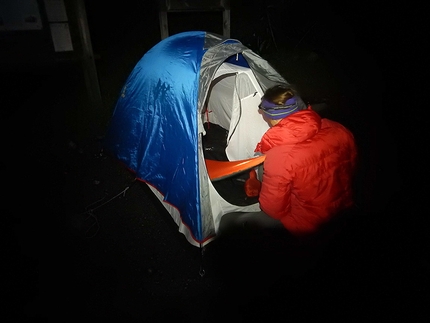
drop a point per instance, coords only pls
(153, 129)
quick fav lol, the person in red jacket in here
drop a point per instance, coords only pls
(309, 167)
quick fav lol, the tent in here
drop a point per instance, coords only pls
(180, 96)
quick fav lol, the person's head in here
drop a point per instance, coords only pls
(277, 103)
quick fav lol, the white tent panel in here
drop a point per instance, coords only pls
(233, 104)
(249, 130)
(220, 103)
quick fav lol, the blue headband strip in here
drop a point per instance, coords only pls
(275, 111)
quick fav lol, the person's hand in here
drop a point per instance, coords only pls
(252, 185)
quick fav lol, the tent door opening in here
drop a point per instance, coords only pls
(233, 126)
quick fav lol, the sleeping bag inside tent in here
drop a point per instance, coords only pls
(186, 123)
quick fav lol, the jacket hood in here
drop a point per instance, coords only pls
(291, 130)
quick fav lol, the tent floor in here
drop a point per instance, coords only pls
(231, 189)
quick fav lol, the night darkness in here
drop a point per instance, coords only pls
(127, 261)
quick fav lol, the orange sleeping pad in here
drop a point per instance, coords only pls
(218, 170)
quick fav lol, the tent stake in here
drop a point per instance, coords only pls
(202, 270)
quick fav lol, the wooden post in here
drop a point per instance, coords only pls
(162, 16)
(226, 18)
(89, 66)
(177, 6)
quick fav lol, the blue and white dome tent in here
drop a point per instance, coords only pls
(157, 129)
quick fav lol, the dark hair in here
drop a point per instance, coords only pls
(279, 94)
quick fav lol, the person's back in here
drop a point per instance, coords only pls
(308, 170)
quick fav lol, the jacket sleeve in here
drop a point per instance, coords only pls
(275, 194)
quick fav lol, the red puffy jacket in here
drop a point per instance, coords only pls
(308, 171)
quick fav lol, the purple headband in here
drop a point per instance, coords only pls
(275, 111)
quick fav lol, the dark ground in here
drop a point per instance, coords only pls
(82, 240)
